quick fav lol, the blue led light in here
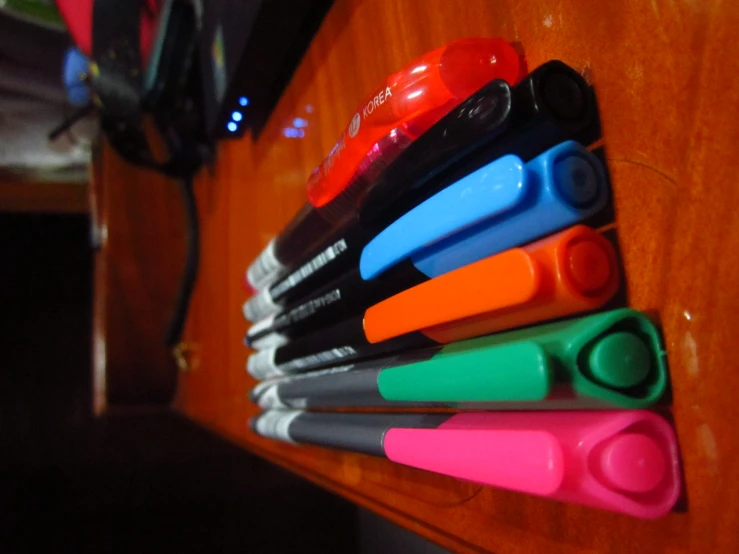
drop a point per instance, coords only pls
(236, 116)
(299, 123)
(292, 132)
(243, 101)
(232, 126)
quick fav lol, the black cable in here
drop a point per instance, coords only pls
(190, 272)
(65, 125)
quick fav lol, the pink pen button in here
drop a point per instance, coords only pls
(633, 463)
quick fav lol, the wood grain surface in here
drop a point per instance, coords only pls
(138, 221)
(665, 75)
(40, 197)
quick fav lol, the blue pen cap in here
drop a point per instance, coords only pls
(494, 208)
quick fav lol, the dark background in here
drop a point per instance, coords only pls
(135, 481)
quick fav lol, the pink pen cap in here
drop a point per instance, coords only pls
(623, 461)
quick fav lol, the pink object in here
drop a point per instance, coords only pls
(625, 461)
(632, 462)
(532, 462)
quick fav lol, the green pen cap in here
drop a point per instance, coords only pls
(606, 360)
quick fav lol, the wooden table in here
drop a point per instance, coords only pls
(665, 74)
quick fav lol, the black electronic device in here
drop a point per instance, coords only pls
(248, 52)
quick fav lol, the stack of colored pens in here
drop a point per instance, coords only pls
(443, 259)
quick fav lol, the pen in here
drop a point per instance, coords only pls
(573, 271)
(409, 102)
(624, 461)
(609, 360)
(495, 121)
(503, 204)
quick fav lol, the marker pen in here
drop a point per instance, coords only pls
(624, 461)
(402, 108)
(574, 271)
(524, 121)
(609, 360)
(505, 203)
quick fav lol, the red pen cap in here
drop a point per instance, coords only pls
(572, 271)
(410, 101)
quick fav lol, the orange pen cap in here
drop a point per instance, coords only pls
(572, 271)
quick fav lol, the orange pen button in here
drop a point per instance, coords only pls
(572, 271)
(588, 266)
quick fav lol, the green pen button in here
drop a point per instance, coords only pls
(620, 360)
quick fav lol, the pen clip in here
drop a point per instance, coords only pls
(460, 294)
(513, 372)
(521, 460)
(488, 192)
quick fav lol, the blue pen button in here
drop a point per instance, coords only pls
(576, 179)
